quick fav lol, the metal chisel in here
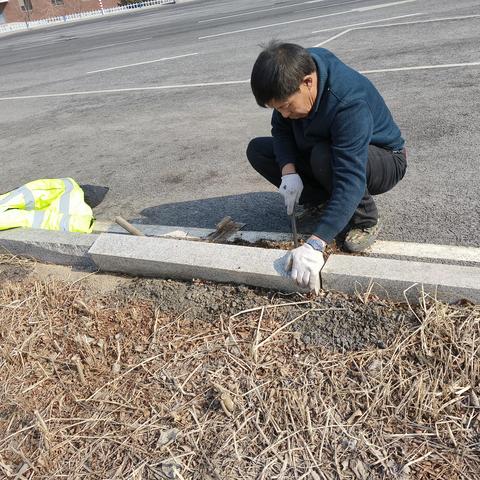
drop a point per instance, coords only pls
(293, 219)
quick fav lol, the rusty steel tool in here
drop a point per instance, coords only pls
(293, 219)
(225, 229)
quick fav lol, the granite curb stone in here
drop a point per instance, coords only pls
(399, 280)
(187, 260)
(62, 248)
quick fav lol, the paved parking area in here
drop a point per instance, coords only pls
(156, 106)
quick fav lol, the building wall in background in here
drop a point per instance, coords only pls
(25, 10)
(3, 4)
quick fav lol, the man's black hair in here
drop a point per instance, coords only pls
(279, 71)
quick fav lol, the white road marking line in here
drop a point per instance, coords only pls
(270, 9)
(191, 12)
(386, 25)
(333, 38)
(422, 67)
(425, 250)
(351, 29)
(121, 90)
(374, 7)
(353, 10)
(211, 84)
(465, 17)
(114, 44)
(365, 23)
(142, 63)
(327, 6)
(248, 13)
(124, 26)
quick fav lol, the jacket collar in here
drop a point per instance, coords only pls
(322, 75)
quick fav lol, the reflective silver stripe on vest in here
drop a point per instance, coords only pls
(38, 217)
(64, 206)
(28, 197)
(10, 196)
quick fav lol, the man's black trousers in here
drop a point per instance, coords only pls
(384, 170)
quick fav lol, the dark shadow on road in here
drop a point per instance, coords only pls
(94, 194)
(260, 211)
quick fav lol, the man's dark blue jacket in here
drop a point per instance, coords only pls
(350, 114)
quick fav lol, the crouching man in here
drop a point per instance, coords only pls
(334, 144)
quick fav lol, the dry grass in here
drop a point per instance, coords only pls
(98, 388)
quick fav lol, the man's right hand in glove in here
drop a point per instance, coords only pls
(305, 263)
(291, 188)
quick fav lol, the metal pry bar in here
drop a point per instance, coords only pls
(293, 219)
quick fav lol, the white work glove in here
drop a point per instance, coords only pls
(291, 189)
(305, 264)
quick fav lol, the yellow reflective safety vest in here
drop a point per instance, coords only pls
(50, 204)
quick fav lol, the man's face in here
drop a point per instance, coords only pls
(300, 103)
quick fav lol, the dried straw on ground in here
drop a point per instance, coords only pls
(105, 388)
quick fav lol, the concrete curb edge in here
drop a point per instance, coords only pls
(397, 280)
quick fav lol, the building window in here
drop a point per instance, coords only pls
(58, 2)
(26, 5)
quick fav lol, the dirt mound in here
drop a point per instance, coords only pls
(201, 300)
(343, 323)
(334, 321)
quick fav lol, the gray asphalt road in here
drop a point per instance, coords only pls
(141, 104)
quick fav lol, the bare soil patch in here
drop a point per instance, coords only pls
(169, 380)
(337, 322)
(13, 269)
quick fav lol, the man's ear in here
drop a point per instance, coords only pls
(308, 81)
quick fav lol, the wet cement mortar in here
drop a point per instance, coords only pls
(339, 322)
